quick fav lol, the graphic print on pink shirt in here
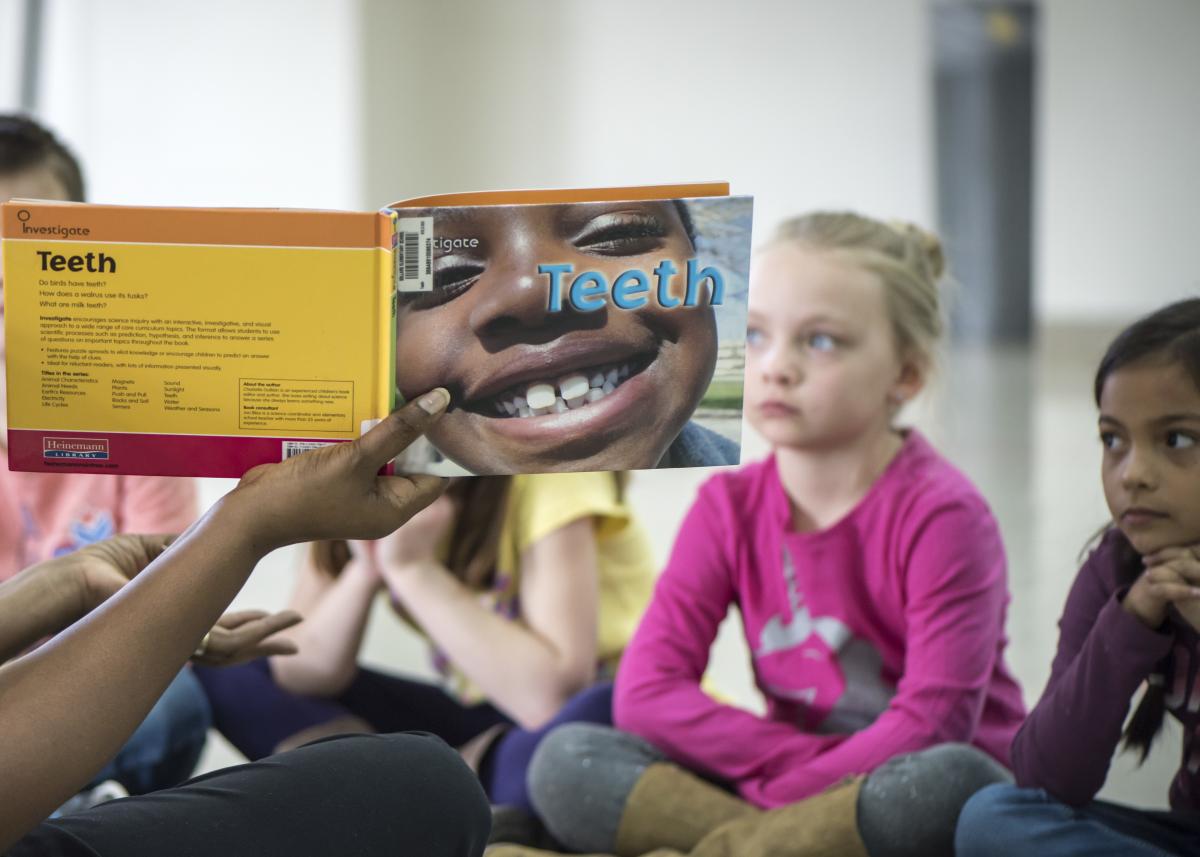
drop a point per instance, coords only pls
(87, 529)
(833, 680)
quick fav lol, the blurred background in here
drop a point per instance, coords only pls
(1053, 145)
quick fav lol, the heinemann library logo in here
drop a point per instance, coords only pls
(75, 447)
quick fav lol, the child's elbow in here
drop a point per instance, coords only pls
(543, 706)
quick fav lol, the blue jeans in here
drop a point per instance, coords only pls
(165, 748)
(1004, 820)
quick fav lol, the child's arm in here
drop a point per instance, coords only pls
(335, 612)
(527, 669)
(1104, 654)
(955, 597)
(658, 693)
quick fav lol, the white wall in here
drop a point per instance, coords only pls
(215, 103)
(12, 27)
(1118, 177)
(802, 104)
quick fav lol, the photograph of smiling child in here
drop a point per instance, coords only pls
(597, 336)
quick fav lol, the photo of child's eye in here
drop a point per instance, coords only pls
(598, 336)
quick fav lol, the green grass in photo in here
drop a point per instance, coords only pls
(726, 395)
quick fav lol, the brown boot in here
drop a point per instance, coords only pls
(824, 825)
(673, 809)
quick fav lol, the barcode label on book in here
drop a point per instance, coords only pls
(414, 254)
(292, 448)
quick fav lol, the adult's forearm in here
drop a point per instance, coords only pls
(67, 707)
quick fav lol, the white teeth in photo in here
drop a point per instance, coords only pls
(573, 386)
(568, 392)
(540, 396)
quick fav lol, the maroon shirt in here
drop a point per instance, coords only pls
(1104, 655)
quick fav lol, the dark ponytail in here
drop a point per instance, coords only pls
(1172, 335)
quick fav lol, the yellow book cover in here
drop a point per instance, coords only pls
(597, 329)
(191, 342)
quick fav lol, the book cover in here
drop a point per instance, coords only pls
(191, 342)
(576, 330)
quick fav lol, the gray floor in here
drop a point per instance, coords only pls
(1020, 422)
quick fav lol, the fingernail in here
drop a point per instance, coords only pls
(434, 402)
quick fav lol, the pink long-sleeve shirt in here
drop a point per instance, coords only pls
(881, 635)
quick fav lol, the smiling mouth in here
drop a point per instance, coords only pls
(571, 391)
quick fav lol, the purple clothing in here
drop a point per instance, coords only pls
(881, 635)
(1104, 655)
(255, 715)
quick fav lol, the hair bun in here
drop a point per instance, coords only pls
(929, 245)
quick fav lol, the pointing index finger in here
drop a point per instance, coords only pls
(393, 435)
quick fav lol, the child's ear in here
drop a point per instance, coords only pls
(908, 383)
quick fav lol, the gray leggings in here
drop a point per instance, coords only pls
(582, 774)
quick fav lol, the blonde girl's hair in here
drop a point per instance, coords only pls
(907, 259)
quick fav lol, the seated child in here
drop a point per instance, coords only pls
(871, 581)
(1132, 618)
(528, 589)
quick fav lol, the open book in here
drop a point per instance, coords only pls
(575, 330)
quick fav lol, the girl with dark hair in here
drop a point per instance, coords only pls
(1132, 618)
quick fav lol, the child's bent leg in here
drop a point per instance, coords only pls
(259, 717)
(601, 790)
(506, 766)
(368, 795)
(1003, 820)
(910, 805)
